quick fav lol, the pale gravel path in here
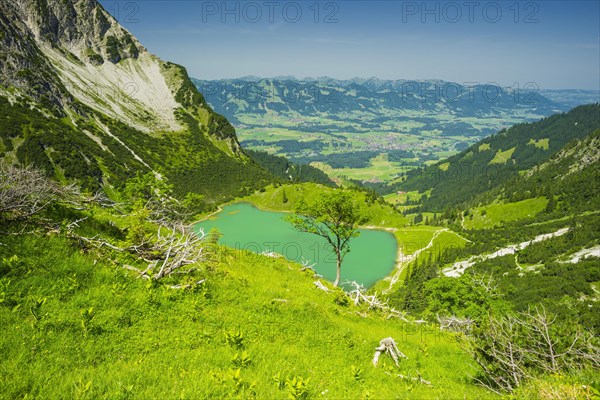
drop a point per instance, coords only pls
(458, 268)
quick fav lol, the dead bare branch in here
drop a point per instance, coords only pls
(358, 296)
(179, 250)
(307, 265)
(512, 348)
(455, 324)
(418, 378)
(188, 286)
(488, 283)
(25, 191)
(320, 285)
(174, 250)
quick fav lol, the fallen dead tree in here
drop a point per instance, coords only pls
(388, 346)
(358, 295)
(173, 250)
(401, 315)
(455, 324)
(25, 191)
(180, 251)
(271, 254)
(320, 285)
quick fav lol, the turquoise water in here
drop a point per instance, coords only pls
(372, 256)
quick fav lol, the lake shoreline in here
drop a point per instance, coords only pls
(390, 230)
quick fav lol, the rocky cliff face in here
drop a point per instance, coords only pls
(63, 49)
(71, 58)
(23, 67)
(79, 29)
(82, 27)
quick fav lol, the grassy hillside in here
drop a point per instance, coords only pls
(488, 216)
(107, 292)
(77, 324)
(80, 322)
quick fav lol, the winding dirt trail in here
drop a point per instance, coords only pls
(403, 260)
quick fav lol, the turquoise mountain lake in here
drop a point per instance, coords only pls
(372, 254)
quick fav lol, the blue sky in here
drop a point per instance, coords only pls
(553, 44)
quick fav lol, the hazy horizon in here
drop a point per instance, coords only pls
(307, 78)
(554, 44)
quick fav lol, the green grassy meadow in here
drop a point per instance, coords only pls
(491, 215)
(258, 328)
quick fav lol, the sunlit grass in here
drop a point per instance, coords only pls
(488, 216)
(148, 341)
(543, 144)
(502, 157)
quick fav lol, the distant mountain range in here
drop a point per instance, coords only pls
(572, 97)
(382, 98)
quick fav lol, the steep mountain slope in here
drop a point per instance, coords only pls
(287, 171)
(84, 89)
(562, 271)
(571, 177)
(533, 238)
(499, 158)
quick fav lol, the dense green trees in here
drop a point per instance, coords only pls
(287, 171)
(190, 160)
(474, 295)
(472, 172)
(411, 295)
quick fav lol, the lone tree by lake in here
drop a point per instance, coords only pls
(334, 216)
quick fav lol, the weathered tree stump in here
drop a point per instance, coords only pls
(387, 345)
